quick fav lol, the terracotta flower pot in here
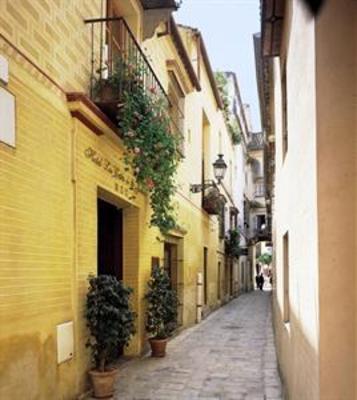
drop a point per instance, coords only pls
(108, 94)
(158, 347)
(103, 383)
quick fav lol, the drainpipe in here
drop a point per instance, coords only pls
(199, 297)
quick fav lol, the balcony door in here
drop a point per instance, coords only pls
(260, 222)
(114, 47)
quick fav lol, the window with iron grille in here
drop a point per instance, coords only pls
(259, 189)
(222, 223)
(284, 113)
(233, 221)
(177, 108)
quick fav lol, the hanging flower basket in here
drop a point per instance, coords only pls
(213, 201)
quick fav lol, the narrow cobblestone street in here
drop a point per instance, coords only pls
(231, 355)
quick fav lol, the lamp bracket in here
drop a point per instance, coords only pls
(200, 187)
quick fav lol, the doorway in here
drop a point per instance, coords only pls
(171, 266)
(109, 240)
(170, 263)
(231, 277)
(205, 276)
(219, 281)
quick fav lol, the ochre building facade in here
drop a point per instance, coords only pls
(66, 193)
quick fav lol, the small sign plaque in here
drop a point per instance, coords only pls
(4, 70)
(7, 117)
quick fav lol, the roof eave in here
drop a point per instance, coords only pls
(272, 26)
(210, 72)
(180, 47)
(159, 4)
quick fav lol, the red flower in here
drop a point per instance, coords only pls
(153, 89)
(150, 184)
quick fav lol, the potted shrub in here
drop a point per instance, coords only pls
(110, 84)
(265, 258)
(161, 316)
(110, 320)
(107, 85)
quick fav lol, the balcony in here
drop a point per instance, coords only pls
(256, 142)
(119, 68)
(262, 234)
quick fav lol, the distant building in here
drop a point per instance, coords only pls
(250, 190)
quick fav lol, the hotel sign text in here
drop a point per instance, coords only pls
(125, 185)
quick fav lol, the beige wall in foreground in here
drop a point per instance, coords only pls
(336, 154)
(316, 348)
(296, 210)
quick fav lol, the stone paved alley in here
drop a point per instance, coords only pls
(231, 355)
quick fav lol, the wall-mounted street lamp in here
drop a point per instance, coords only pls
(219, 171)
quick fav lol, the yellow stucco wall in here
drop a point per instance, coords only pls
(36, 234)
(48, 197)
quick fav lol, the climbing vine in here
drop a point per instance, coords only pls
(151, 146)
(232, 123)
(232, 241)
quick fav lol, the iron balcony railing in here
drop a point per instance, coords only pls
(117, 60)
(262, 233)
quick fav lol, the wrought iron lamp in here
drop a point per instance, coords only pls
(219, 170)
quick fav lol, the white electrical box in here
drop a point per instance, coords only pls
(4, 70)
(7, 118)
(64, 342)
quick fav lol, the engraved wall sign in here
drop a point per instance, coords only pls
(125, 184)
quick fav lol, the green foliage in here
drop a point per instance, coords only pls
(222, 84)
(162, 305)
(231, 242)
(231, 120)
(115, 80)
(110, 318)
(151, 145)
(235, 131)
(265, 258)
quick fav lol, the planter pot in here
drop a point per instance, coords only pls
(105, 93)
(107, 99)
(213, 202)
(103, 383)
(211, 208)
(158, 347)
